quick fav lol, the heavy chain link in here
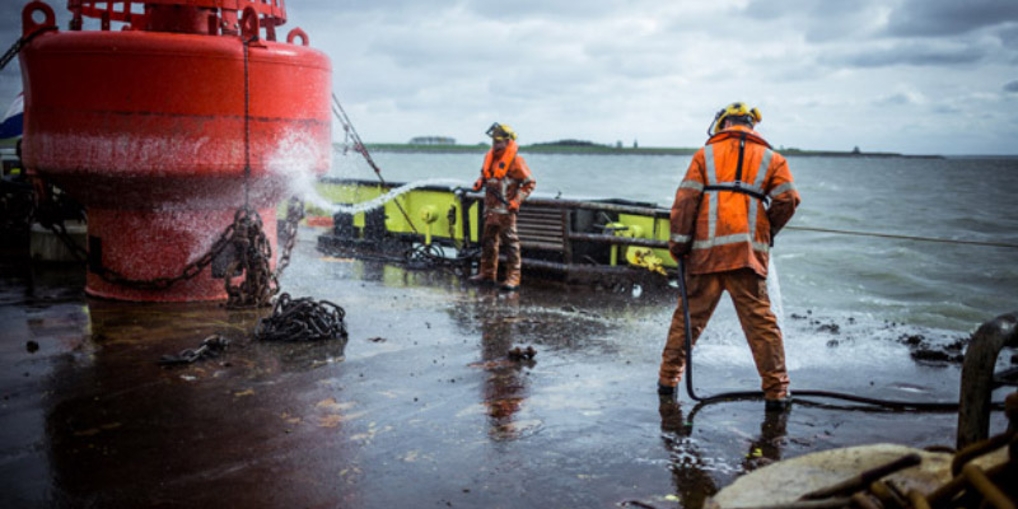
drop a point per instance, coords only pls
(252, 252)
(302, 319)
(294, 214)
(210, 347)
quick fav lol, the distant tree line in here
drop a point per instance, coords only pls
(568, 143)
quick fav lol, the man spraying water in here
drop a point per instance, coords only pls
(735, 197)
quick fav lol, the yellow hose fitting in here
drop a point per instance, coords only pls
(429, 215)
(644, 257)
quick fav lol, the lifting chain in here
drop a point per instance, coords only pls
(20, 43)
(294, 214)
(302, 319)
(251, 256)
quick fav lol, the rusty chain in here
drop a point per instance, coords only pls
(210, 347)
(252, 253)
(294, 214)
(302, 319)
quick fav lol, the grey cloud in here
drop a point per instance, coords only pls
(947, 109)
(931, 18)
(10, 21)
(523, 9)
(392, 7)
(897, 99)
(1009, 37)
(819, 20)
(1011, 87)
(819, 10)
(912, 54)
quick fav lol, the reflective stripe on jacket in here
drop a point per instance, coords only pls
(728, 208)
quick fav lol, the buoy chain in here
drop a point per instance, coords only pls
(252, 253)
(294, 213)
(210, 347)
(20, 43)
(302, 319)
(161, 283)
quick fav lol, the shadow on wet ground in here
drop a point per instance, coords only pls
(428, 404)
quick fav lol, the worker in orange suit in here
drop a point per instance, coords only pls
(735, 197)
(506, 181)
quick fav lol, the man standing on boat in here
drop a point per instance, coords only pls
(736, 195)
(506, 181)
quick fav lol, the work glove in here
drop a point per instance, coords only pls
(514, 206)
(479, 184)
(678, 251)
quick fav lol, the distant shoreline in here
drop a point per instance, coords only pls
(608, 150)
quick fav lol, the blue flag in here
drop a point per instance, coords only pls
(11, 126)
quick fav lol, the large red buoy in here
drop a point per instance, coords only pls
(165, 128)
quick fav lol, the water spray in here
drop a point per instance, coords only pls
(743, 395)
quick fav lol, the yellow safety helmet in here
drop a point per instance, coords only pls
(499, 131)
(734, 110)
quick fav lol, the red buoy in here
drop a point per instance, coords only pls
(164, 129)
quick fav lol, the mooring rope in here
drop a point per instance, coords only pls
(902, 237)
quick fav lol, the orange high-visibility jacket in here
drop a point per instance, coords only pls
(736, 195)
(506, 179)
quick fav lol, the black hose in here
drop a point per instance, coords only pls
(742, 395)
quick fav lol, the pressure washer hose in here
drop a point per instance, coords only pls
(740, 395)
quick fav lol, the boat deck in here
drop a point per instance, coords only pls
(425, 406)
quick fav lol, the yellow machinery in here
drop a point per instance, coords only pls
(571, 240)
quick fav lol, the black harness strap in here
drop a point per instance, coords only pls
(739, 187)
(742, 152)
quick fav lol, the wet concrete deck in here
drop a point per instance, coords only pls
(425, 410)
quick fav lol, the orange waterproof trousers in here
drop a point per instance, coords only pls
(753, 306)
(500, 229)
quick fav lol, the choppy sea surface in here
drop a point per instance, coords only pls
(881, 247)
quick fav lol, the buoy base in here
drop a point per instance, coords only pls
(142, 255)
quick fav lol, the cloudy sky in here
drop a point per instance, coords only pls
(909, 76)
